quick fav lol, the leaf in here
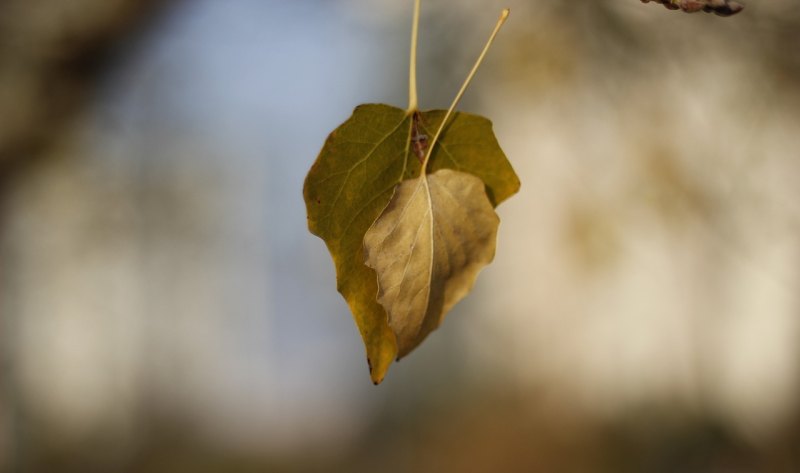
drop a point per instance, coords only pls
(427, 248)
(353, 180)
(355, 176)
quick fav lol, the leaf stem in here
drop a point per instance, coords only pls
(500, 21)
(412, 67)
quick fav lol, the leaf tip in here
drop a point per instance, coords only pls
(377, 378)
(376, 381)
(379, 363)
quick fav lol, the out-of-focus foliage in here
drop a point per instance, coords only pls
(50, 56)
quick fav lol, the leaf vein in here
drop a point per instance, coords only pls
(349, 171)
(363, 208)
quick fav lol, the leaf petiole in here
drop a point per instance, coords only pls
(412, 68)
(500, 21)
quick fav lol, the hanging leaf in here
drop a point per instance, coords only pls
(353, 179)
(427, 248)
(347, 187)
(379, 152)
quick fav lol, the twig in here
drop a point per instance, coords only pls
(719, 7)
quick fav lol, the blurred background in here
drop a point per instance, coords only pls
(163, 307)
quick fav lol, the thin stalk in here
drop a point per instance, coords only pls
(464, 86)
(412, 68)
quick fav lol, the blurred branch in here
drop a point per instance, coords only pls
(719, 7)
(50, 58)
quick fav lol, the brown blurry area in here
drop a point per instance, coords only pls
(641, 315)
(51, 53)
(52, 56)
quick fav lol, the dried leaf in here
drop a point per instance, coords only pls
(355, 176)
(427, 248)
(353, 180)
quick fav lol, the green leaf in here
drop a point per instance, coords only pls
(354, 178)
(468, 144)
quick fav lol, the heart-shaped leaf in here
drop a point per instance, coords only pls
(379, 152)
(427, 248)
(353, 179)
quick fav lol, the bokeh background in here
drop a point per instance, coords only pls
(163, 307)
